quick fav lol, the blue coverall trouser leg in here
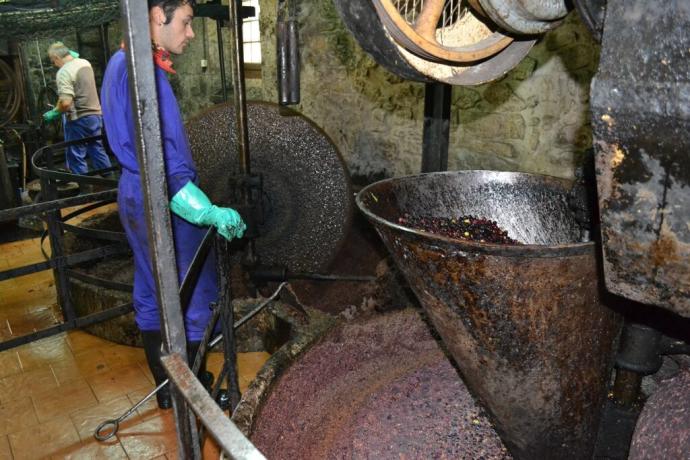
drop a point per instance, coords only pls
(187, 238)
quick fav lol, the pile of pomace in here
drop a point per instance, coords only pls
(464, 227)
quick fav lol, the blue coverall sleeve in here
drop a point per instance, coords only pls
(179, 165)
(119, 123)
(117, 112)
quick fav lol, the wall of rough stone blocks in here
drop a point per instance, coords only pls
(196, 87)
(41, 72)
(535, 119)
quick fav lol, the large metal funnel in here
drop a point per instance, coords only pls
(524, 323)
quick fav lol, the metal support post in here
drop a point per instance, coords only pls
(237, 69)
(152, 169)
(80, 43)
(54, 221)
(287, 45)
(639, 354)
(7, 199)
(105, 46)
(436, 127)
(227, 320)
(240, 99)
(221, 59)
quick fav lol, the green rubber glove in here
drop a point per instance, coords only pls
(74, 54)
(51, 115)
(193, 205)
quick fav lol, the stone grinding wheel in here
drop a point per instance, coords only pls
(306, 186)
(662, 429)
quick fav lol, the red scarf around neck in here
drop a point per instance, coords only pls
(160, 57)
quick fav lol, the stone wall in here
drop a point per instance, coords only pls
(41, 72)
(196, 87)
(536, 119)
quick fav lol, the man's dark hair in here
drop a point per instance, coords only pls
(169, 6)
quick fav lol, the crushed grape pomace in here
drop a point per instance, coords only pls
(468, 227)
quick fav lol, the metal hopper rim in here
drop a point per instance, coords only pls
(460, 245)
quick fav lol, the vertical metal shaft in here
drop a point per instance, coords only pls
(293, 53)
(31, 111)
(287, 49)
(105, 46)
(80, 43)
(240, 99)
(283, 56)
(626, 387)
(204, 39)
(6, 193)
(436, 127)
(144, 101)
(221, 59)
(237, 68)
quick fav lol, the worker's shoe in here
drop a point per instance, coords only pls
(204, 376)
(152, 346)
(223, 400)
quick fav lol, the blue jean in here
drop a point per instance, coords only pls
(87, 126)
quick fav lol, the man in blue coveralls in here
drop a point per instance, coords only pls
(78, 101)
(170, 23)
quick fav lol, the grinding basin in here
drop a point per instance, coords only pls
(663, 429)
(524, 323)
(376, 387)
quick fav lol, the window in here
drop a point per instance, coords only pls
(251, 37)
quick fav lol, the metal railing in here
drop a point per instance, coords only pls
(44, 163)
(144, 102)
(230, 439)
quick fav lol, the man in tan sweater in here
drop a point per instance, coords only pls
(79, 105)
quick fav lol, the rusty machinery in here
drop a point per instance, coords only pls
(536, 352)
(479, 41)
(640, 101)
(639, 104)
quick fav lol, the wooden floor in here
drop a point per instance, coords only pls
(54, 392)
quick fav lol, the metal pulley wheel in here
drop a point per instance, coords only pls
(462, 33)
(524, 16)
(434, 30)
(307, 195)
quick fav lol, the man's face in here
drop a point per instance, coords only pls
(175, 36)
(57, 62)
